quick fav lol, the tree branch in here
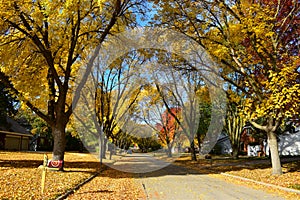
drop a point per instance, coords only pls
(5, 80)
(256, 125)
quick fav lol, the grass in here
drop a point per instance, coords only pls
(21, 178)
(296, 186)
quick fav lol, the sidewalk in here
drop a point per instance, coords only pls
(256, 173)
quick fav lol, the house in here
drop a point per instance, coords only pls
(14, 136)
(252, 144)
(288, 143)
(223, 145)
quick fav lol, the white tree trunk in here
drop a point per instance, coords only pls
(275, 160)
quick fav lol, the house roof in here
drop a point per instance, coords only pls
(14, 128)
(16, 134)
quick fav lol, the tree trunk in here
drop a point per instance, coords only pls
(115, 150)
(193, 152)
(59, 139)
(275, 160)
(235, 151)
(199, 143)
(110, 153)
(100, 141)
(104, 148)
(169, 153)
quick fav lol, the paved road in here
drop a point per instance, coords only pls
(138, 163)
(178, 183)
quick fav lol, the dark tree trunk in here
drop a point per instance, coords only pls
(199, 143)
(235, 151)
(169, 152)
(115, 150)
(110, 153)
(193, 152)
(59, 139)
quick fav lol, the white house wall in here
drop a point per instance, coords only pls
(288, 145)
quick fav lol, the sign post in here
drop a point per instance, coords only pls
(44, 173)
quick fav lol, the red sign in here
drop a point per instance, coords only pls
(55, 164)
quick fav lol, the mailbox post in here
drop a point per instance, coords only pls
(44, 173)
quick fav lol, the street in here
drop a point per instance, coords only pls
(176, 182)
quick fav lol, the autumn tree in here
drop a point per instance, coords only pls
(259, 40)
(235, 120)
(169, 128)
(123, 140)
(154, 113)
(179, 90)
(7, 104)
(177, 84)
(117, 92)
(205, 108)
(145, 138)
(44, 43)
(108, 100)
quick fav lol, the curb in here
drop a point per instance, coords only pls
(262, 183)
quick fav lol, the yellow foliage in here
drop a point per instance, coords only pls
(57, 36)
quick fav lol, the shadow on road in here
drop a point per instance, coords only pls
(171, 169)
(137, 163)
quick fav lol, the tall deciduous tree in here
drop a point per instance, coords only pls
(180, 91)
(43, 43)
(235, 120)
(259, 40)
(205, 114)
(117, 91)
(155, 114)
(169, 128)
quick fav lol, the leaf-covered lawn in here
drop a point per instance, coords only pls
(21, 179)
(289, 179)
(111, 184)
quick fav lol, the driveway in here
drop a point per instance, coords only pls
(168, 181)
